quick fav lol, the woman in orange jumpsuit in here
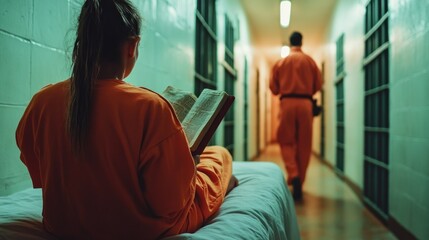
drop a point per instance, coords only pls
(296, 79)
(112, 159)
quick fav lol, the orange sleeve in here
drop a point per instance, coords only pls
(25, 135)
(183, 195)
(168, 177)
(274, 80)
(213, 175)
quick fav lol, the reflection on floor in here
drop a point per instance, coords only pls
(330, 210)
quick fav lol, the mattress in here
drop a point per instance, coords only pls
(261, 207)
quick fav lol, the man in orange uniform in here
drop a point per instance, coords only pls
(295, 78)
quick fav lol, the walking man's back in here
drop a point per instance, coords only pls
(295, 79)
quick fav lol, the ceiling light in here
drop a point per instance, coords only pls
(284, 52)
(285, 7)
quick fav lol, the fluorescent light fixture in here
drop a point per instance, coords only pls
(284, 52)
(285, 7)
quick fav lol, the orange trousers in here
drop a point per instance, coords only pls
(295, 135)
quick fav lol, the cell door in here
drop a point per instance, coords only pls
(376, 112)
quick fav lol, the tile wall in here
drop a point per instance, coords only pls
(409, 106)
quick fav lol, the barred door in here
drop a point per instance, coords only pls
(230, 77)
(376, 148)
(339, 87)
(205, 48)
(246, 113)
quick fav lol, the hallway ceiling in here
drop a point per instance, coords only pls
(310, 17)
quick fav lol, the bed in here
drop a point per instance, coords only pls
(261, 207)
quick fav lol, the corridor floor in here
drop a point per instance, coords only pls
(330, 210)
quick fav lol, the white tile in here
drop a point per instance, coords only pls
(418, 191)
(397, 150)
(15, 69)
(13, 173)
(399, 179)
(147, 51)
(47, 66)
(147, 11)
(51, 22)
(418, 153)
(14, 184)
(399, 124)
(163, 18)
(161, 58)
(182, 67)
(419, 221)
(409, 151)
(10, 116)
(73, 13)
(15, 17)
(416, 121)
(418, 95)
(400, 208)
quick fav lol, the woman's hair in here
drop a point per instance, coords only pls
(103, 25)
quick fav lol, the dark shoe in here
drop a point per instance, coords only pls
(297, 190)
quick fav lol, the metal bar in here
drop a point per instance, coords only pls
(376, 90)
(376, 53)
(206, 25)
(205, 80)
(376, 26)
(229, 68)
(376, 162)
(377, 129)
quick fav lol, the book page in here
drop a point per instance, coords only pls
(182, 101)
(202, 114)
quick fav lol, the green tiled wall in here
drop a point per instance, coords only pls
(15, 63)
(409, 174)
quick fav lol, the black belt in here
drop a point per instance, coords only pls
(294, 95)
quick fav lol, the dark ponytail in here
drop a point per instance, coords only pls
(102, 26)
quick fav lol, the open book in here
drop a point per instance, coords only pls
(200, 116)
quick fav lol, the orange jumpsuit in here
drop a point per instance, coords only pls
(295, 74)
(138, 181)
